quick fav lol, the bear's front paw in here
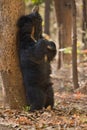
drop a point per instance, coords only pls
(51, 46)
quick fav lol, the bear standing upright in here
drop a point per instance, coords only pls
(35, 54)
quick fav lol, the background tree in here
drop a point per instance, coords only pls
(84, 38)
(10, 11)
(47, 16)
(74, 48)
(64, 19)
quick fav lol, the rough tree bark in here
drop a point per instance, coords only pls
(64, 19)
(10, 11)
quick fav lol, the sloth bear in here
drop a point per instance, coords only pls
(35, 55)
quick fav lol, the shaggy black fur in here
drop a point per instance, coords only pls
(35, 60)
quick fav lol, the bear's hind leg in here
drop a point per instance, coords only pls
(49, 97)
(35, 98)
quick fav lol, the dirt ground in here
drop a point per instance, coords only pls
(70, 110)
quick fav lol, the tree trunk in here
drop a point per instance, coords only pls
(10, 11)
(47, 17)
(64, 19)
(74, 48)
(84, 37)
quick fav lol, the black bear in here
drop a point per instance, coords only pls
(35, 54)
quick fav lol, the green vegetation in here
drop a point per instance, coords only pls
(26, 108)
(34, 1)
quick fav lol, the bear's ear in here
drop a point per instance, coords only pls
(21, 21)
(35, 9)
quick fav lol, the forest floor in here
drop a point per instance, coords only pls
(70, 110)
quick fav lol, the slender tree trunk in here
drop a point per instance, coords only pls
(47, 16)
(59, 17)
(84, 38)
(64, 19)
(74, 48)
(10, 11)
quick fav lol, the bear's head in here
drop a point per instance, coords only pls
(31, 22)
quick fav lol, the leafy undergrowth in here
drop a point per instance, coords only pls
(70, 113)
